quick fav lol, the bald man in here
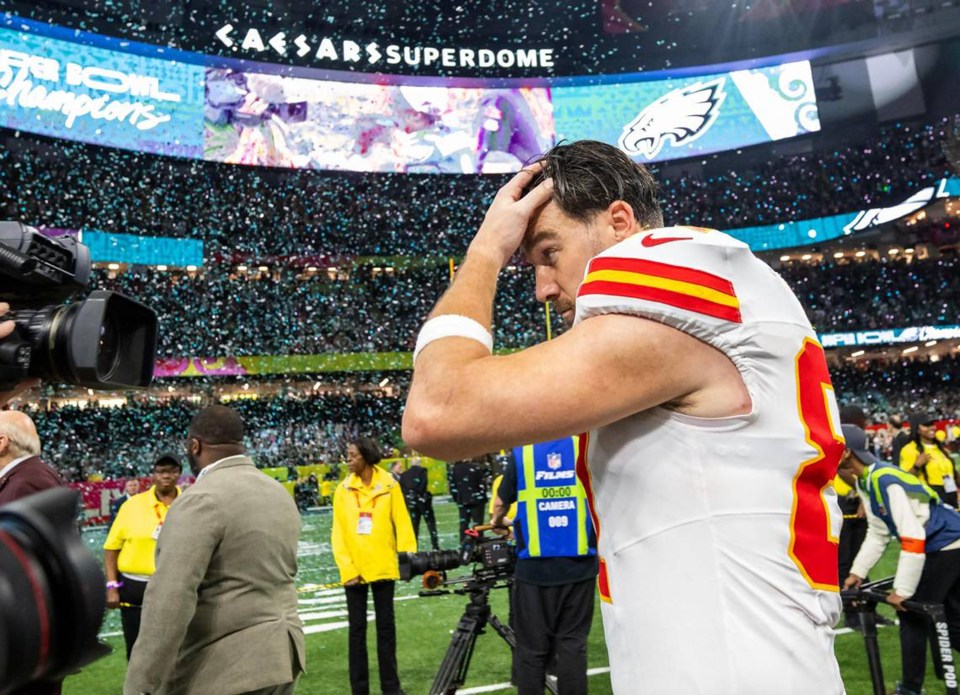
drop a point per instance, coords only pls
(22, 473)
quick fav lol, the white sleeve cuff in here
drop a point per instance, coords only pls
(452, 326)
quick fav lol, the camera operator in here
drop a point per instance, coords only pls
(553, 592)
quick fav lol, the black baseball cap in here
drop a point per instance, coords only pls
(922, 418)
(857, 443)
(168, 459)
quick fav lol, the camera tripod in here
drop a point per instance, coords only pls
(453, 669)
(864, 601)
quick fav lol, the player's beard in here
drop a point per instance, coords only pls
(561, 306)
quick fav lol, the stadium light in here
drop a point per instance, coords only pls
(784, 258)
(860, 254)
(316, 386)
(113, 266)
(858, 353)
(806, 257)
(910, 349)
(384, 382)
(263, 269)
(161, 268)
(838, 254)
(930, 343)
(311, 268)
(893, 252)
(241, 268)
(908, 250)
(191, 268)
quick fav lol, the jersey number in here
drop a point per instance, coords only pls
(812, 546)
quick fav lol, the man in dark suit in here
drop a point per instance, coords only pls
(22, 473)
(419, 499)
(220, 612)
(130, 488)
(468, 488)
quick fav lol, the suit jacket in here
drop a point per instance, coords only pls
(28, 477)
(220, 613)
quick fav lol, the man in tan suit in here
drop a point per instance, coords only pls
(220, 614)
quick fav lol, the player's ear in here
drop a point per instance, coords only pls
(622, 220)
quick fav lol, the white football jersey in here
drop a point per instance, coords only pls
(717, 537)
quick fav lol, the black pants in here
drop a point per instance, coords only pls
(424, 510)
(386, 637)
(552, 622)
(471, 515)
(131, 593)
(948, 497)
(939, 583)
(852, 534)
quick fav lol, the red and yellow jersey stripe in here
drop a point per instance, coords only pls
(683, 288)
(583, 475)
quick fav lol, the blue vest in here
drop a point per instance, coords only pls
(943, 526)
(552, 516)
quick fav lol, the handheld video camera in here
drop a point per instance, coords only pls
(104, 341)
(493, 558)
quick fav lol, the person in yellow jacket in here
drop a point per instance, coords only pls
(927, 458)
(370, 526)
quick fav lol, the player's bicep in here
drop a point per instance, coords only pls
(601, 371)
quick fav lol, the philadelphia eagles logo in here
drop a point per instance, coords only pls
(682, 115)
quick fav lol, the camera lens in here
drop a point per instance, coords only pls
(108, 349)
(51, 591)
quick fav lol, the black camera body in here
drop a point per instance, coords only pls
(104, 341)
(493, 558)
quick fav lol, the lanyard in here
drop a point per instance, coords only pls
(373, 505)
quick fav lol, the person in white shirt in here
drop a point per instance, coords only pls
(901, 505)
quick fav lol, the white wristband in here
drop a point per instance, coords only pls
(452, 326)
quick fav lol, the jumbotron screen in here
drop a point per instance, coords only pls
(141, 97)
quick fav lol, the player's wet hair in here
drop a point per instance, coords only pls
(589, 175)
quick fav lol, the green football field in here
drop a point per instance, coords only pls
(424, 625)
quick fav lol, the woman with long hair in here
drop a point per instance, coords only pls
(928, 459)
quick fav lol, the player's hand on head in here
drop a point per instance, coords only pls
(508, 217)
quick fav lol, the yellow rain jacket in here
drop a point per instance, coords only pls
(370, 526)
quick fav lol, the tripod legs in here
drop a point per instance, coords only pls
(453, 669)
(452, 673)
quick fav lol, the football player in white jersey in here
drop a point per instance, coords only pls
(712, 430)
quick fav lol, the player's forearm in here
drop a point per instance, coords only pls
(472, 291)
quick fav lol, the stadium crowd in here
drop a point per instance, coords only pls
(286, 311)
(300, 430)
(117, 442)
(247, 214)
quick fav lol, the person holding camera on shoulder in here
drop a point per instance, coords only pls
(370, 526)
(553, 593)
